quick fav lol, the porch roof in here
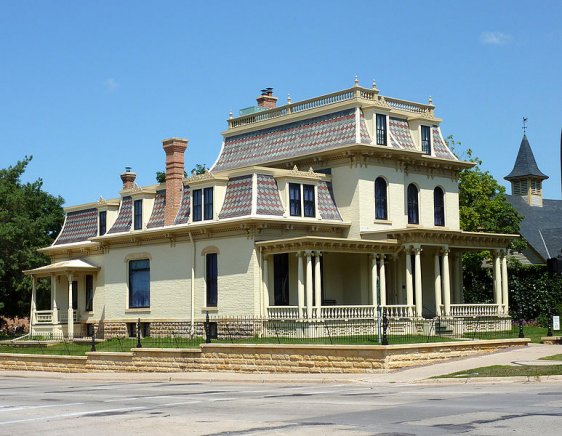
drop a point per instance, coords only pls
(66, 266)
(328, 244)
(452, 238)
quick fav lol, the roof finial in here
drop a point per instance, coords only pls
(430, 101)
(356, 80)
(230, 115)
(289, 99)
(374, 85)
(525, 126)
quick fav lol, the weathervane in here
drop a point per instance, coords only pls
(524, 125)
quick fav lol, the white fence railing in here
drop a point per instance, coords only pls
(347, 312)
(46, 316)
(475, 310)
(400, 310)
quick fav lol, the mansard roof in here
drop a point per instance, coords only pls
(78, 226)
(525, 164)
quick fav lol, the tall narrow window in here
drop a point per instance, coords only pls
(102, 223)
(211, 279)
(381, 211)
(308, 201)
(381, 129)
(295, 199)
(425, 139)
(75, 295)
(281, 279)
(89, 292)
(413, 209)
(137, 216)
(139, 283)
(438, 207)
(197, 215)
(208, 204)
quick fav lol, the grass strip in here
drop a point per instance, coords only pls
(507, 371)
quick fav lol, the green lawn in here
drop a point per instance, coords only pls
(507, 371)
(555, 357)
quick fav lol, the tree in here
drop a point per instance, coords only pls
(198, 169)
(30, 218)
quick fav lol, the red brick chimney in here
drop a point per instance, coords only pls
(128, 178)
(266, 99)
(174, 149)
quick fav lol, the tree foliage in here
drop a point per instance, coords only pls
(198, 169)
(30, 218)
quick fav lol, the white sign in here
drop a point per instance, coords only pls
(555, 323)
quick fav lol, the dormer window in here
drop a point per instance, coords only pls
(137, 215)
(202, 204)
(381, 129)
(302, 198)
(208, 206)
(426, 139)
(102, 223)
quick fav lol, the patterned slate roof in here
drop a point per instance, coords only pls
(295, 139)
(326, 204)
(440, 149)
(525, 164)
(400, 134)
(238, 197)
(183, 214)
(78, 226)
(268, 201)
(125, 217)
(157, 216)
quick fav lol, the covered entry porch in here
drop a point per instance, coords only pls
(71, 289)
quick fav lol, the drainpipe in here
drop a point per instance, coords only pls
(192, 285)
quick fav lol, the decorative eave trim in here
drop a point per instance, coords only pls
(328, 244)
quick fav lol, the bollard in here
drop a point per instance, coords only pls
(93, 339)
(549, 333)
(207, 329)
(139, 345)
(521, 333)
(384, 327)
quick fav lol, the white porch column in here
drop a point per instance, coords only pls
(382, 280)
(300, 286)
(458, 276)
(374, 299)
(54, 307)
(265, 276)
(505, 293)
(446, 282)
(33, 306)
(437, 284)
(70, 324)
(309, 284)
(418, 281)
(409, 285)
(497, 281)
(317, 285)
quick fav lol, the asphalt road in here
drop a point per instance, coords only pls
(63, 405)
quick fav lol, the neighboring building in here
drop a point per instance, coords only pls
(542, 223)
(317, 210)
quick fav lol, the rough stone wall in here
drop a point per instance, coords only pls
(114, 329)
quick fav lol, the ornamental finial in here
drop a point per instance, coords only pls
(430, 101)
(289, 101)
(356, 80)
(230, 115)
(524, 125)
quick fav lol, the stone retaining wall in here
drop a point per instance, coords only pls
(259, 358)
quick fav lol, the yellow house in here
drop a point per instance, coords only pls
(324, 209)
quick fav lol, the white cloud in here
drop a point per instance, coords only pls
(111, 84)
(494, 38)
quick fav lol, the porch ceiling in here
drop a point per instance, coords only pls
(67, 266)
(452, 238)
(388, 246)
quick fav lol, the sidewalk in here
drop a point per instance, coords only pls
(420, 374)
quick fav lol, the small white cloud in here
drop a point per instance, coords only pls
(111, 84)
(494, 38)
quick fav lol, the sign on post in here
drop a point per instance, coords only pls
(556, 322)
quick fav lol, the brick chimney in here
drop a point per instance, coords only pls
(128, 178)
(174, 149)
(266, 99)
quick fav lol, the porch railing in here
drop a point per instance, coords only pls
(400, 310)
(347, 312)
(46, 316)
(283, 312)
(475, 310)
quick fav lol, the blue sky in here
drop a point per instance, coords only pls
(90, 87)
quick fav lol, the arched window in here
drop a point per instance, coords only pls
(413, 209)
(438, 207)
(381, 209)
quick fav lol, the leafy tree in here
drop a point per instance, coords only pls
(30, 218)
(198, 169)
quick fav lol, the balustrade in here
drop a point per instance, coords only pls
(399, 310)
(347, 312)
(475, 310)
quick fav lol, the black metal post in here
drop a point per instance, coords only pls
(139, 345)
(549, 333)
(384, 327)
(207, 329)
(521, 333)
(93, 339)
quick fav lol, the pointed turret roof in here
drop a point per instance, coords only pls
(525, 164)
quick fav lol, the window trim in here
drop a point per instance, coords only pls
(308, 205)
(197, 205)
(439, 210)
(381, 133)
(411, 202)
(211, 279)
(384, 199)
(102, 222)
(427, 142)
(298, 205)
(208, 200)
(130, 263)
(89, 303)
(137, 214)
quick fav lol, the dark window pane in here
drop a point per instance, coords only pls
(281, 279)
(75, 295)
(102, 223)
(381, 212)
(426, 140)
(381, 129)
(295, 199)
(89, 292)
(208, 198)
(308, 200)
(197, 205)
(139, 283)
(137, 215)
(211, 275)
(413, 212)
(438, 207)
